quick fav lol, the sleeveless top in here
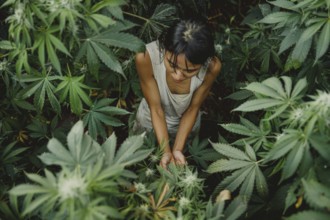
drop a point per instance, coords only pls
(174, 105)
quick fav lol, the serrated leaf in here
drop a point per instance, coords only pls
(109, 148)
(290, 198)
(122, 40)
(237, 129)
(302, 3)
(287, 85)
(41, 53)
(58, 44)
(103, 20)
(235, 209)
(230, 151)
(92, 59)
(309, 32)
(162, 16)
(56, 148)
(50, 89)
(137, 157)
(250, 125)
(24, 189)
(250, 152)
(320, 143)
(240, 95)
(38, 179)
(275, 83)
(112, 110)
(101, 114)
(323, 41)
(121, 26)
(112, 3)
(238, 180)
(264, 90)
(316, 194)
(282, 4)
(127, 148)
(72, 87)
(226, 165)
(248, 184)
(234, 176)
(281, 147)
(31, 89)
(163, 12)
(258, 104)
(74, 139)
(290, 39)
(7, 45)
(109, 172)
(292, 161)
(299, 87)
(261, 184)
(108, 58)
(301, 50)
(276, 17)
(116, 12)
(37, 202)
(52, 56)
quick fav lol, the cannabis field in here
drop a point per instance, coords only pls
(69, 90)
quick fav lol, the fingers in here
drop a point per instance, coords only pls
(175, 157)
(180, 162)
(166, 159)
(179, 158)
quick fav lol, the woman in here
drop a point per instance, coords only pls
(176, 74)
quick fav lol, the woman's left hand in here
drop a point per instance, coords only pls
(179, 158)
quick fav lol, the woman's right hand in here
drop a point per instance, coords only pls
(166, 159)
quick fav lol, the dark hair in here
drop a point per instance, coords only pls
(191, 37)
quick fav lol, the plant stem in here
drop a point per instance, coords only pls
(143, 18)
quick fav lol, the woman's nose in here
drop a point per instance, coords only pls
(178, 75)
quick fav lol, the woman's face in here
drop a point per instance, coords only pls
(181, 69)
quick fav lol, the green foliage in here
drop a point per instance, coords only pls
(304, 215)
(159, 20)
(40, 87)
(216, 211)
(245, 167)
(300, 26)
(317, 195)
(272, 93)
(71, 87)
(64, 60)
(201, 152)
(87, 169)
(39, 32)
(256, 136)
(102, 114)
(297, 137)
(96, 46)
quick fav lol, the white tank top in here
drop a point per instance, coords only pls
(174, 105)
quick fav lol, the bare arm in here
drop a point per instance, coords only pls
(189, 117)
(151, 94)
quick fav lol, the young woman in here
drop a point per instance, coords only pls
(176, 74)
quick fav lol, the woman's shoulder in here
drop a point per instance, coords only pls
(142, 58)
(151, 55)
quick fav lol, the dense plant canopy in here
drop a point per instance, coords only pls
(69, 91)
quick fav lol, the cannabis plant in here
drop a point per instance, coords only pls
(87, 185)
(290, 144)
(300, 23)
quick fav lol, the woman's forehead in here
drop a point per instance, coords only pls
(180, 60)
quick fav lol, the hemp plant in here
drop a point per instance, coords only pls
(89, 180)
